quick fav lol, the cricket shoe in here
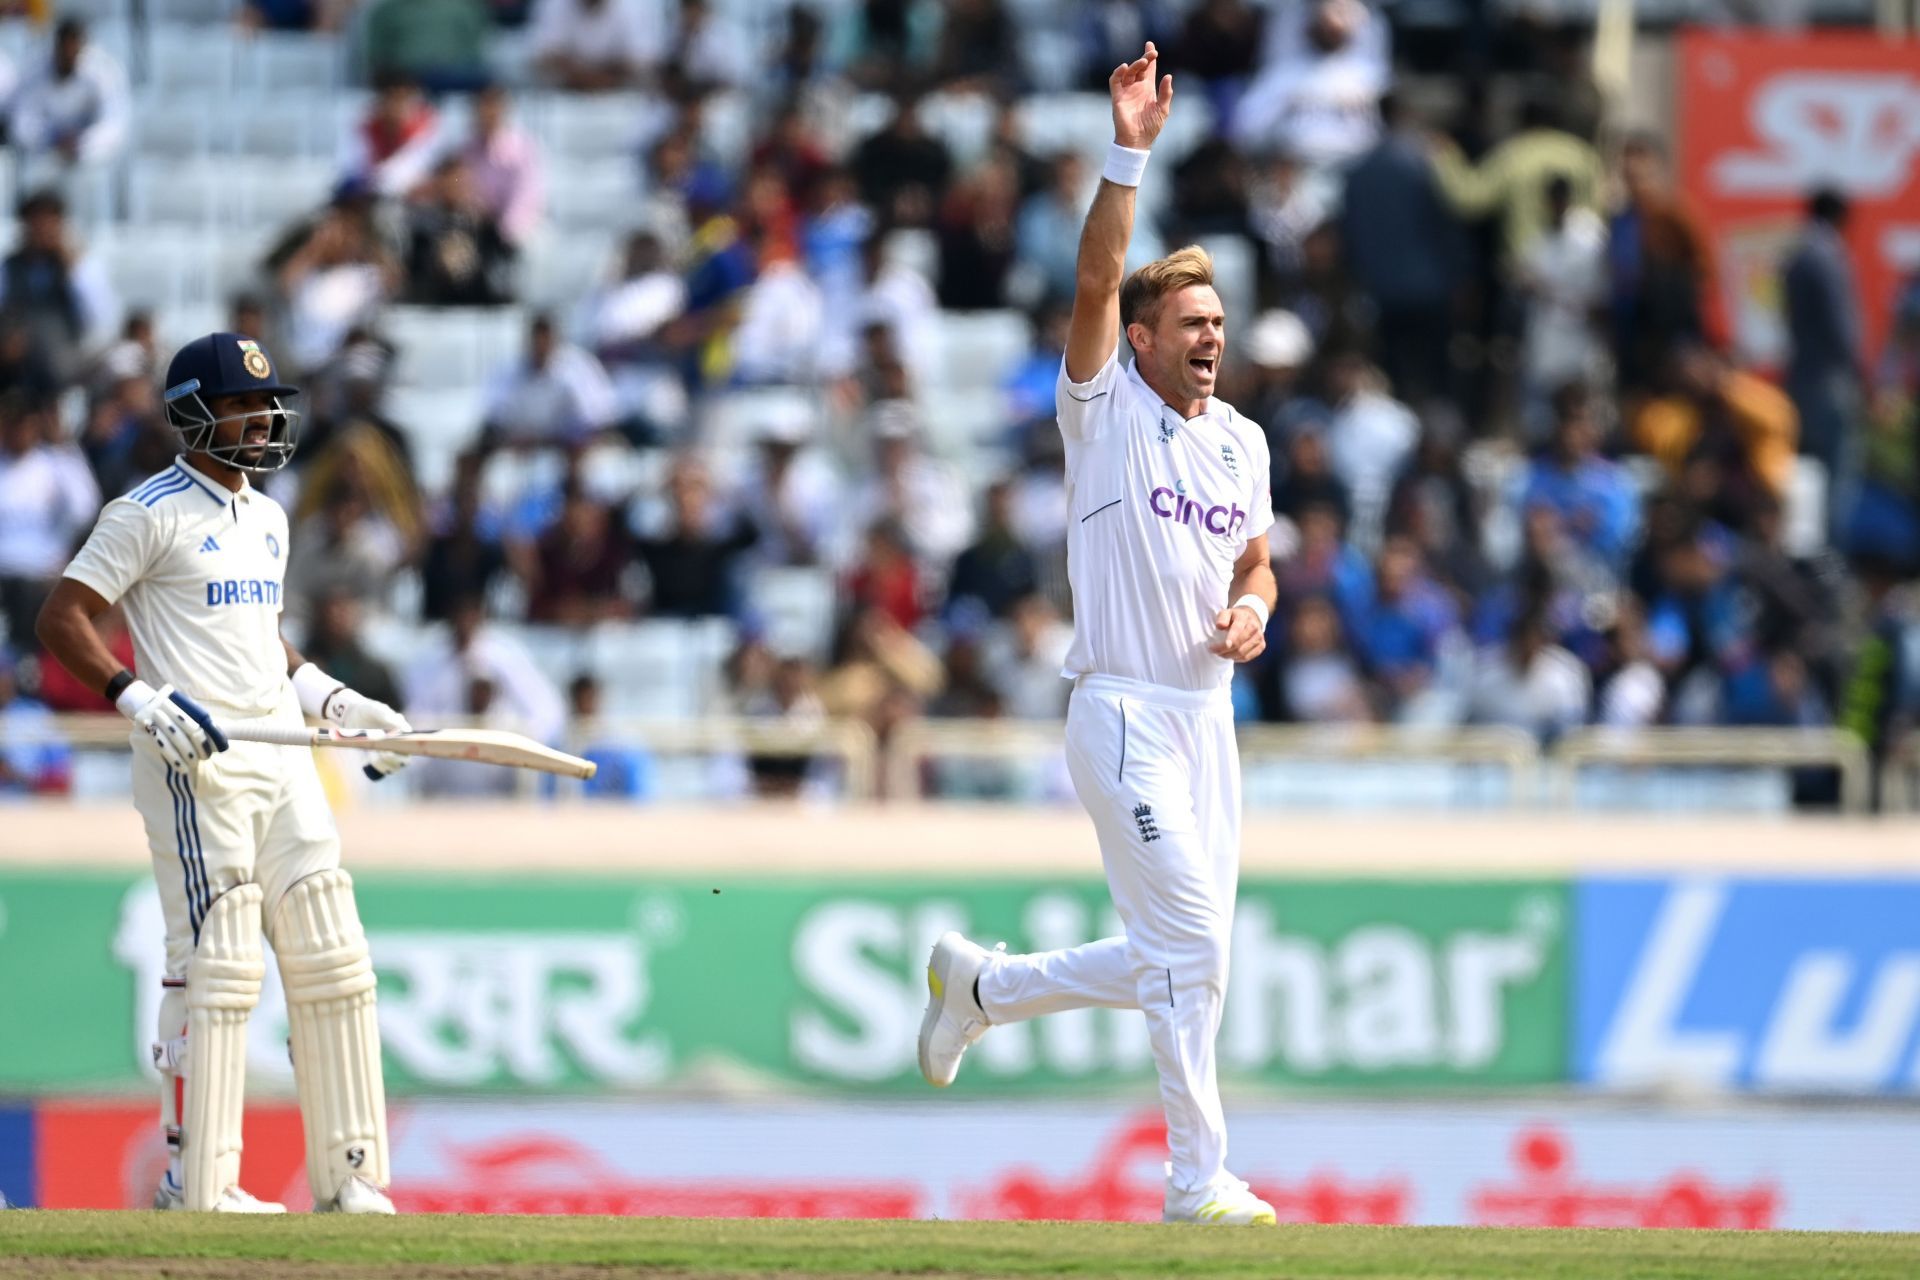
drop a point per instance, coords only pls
(171, 1195)
(1225, 1202)
(357, 1195)
(954, 1018)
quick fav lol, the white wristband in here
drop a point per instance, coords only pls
(133, 697)
(1124, 166)
(1255, 603)
(313, 687)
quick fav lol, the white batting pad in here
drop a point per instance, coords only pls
(329, 981)
(223, 985)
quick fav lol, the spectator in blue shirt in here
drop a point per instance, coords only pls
(1595, 499)
(34, 759)
(1401, 632)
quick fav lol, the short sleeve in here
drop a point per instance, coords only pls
(118, 552)
(1261, 518)
(1086, 407)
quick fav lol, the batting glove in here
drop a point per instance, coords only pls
(180, 727)
(351, 709)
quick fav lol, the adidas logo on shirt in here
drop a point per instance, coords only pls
(209, 545)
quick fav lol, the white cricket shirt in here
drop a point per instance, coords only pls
(200, 570)
(1161, 508)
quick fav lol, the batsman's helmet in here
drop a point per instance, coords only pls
(228, 364)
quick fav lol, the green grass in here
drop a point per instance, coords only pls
(37, 1244)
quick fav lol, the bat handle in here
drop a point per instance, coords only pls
(272, 734)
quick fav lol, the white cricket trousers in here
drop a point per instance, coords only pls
(253, 813)
(1159, 772)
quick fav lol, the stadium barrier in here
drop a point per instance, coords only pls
(1530, 777)
(1708, 747)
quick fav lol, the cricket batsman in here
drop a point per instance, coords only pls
(243, 843)
(1167, 557)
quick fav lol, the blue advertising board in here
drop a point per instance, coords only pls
(17, 1157)
(1771, 985)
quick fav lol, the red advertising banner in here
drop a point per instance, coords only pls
(1541, 1163)
(1765, 120)
(110, 1155)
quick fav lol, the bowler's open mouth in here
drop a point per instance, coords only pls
(1201, 364)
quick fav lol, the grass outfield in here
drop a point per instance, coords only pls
(35, 1245)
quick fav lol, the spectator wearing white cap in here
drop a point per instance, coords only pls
(1278, 346)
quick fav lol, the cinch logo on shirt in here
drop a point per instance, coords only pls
(242, 591)
(1169, 505)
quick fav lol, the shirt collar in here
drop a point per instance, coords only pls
(211, 487)
(1210, 413)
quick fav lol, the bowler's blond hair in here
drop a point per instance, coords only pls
(1147, 288)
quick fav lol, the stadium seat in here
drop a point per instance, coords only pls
(99, 11)
(730, 422)
(960, 419)
(964, 121)
(797, 606)
(236, 193)
(1083, 122)
(293, 125)
(660, 666)
(980, 348)
(452, 346)
(189, 59)
(273, 62)
(174, 127)
(559, 652)
(1236, 272)
(174, 12)
(163, 267)
(558, 270)
(581, 127)
(438, 422)
(595, 195)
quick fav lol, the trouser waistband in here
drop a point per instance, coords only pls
(1157, 694)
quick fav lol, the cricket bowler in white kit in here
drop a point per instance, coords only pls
(1167, 556)
(242, 840)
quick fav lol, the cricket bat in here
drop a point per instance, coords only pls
(484, 746)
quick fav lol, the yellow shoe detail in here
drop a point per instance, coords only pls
(934, 984)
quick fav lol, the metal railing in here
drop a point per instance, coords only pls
(919, 741)
(1533, 776)
(1763, 748)
(849, 742)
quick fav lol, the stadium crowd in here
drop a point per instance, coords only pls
(1519, 478)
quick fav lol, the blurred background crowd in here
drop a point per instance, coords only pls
(683, 358)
